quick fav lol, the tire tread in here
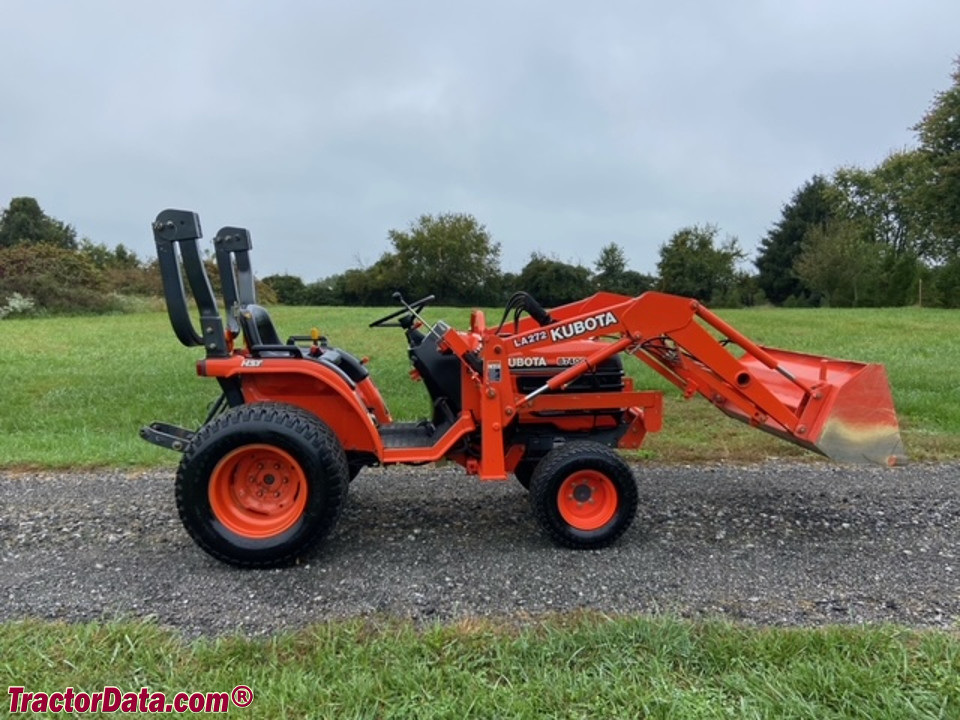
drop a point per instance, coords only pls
(557, 465)
(316, 434)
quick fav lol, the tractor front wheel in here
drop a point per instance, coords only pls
(262, 484)
(583, 495)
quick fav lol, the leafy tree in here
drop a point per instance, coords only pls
(451, 256)
(887, 202)
(125, 257)
(611, 263)
(692, 265)
(289, 289)
(553, 282)
(120, 270)
(939, 135)
(612, 273)
(841, 262)
(811, 206)
(374, 285)
(24, 222)
(900, 281)
(746, 292)
(635, 283)
(103, 257)
(327, 291)
(944, 291)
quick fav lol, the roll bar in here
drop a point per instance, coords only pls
(232, 247)
(176, 233)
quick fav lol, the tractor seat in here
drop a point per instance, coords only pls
(257, 326)
(260, 331)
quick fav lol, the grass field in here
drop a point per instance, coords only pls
(573, 666)
(75, 391)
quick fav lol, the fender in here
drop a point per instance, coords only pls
(309, 385)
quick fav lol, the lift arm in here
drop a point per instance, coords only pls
(839, 408)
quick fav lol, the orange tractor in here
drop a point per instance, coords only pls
(542, 396)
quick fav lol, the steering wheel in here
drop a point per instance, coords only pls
(414, 307)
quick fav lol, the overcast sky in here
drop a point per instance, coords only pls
(561, 126)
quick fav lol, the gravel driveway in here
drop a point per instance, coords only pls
(791, 544)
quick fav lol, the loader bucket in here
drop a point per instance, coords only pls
(844, 409)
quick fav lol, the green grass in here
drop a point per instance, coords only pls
(574, 666)
(75, 391)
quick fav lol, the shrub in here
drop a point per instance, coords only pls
(16, 304)
(56, 279)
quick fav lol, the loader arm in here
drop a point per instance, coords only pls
(841, 409)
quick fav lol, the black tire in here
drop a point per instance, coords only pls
(282, 513)
(584, 495)
(524, 472)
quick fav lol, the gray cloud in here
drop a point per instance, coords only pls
(561, 126)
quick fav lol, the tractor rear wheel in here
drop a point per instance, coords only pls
(583, 495)
(262, 484)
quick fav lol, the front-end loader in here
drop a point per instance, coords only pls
(542, 396)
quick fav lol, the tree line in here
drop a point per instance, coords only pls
(44, 268)
(883, 236)
(887, 235)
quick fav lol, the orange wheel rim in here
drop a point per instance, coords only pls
(587, 500)
(258, 491)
